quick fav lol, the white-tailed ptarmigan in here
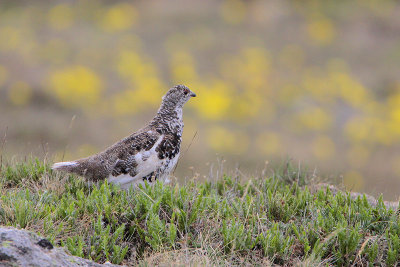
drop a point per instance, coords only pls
(148, 154)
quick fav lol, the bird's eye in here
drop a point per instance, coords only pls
(186, 91)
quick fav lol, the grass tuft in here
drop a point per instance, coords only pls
(270, 220)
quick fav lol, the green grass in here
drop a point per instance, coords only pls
(271, 219)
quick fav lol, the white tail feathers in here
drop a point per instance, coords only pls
(62, 165)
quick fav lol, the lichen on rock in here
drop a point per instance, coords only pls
(24, 248)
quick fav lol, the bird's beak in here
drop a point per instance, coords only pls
(193, 94)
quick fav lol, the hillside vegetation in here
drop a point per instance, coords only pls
(266, 220)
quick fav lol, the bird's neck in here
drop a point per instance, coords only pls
(170, 112)
(169, 119)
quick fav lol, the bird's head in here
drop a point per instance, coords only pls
(177, 96)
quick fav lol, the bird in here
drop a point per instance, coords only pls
(149, 154)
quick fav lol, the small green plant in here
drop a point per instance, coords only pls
(274, 218)
(32, 170)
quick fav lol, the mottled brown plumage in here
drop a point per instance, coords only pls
(148, 154)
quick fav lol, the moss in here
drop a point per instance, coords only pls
(5, 244)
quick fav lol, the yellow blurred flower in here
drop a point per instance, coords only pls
(124, 103)
(394, 99)
(350, 90)
(323, 147)
(132, 101)
(314, 119)
(20, 93)
(119, 17)
(393, 110)
(353, 180)
(215, 100)
(233, 11)
(151, 90)
(269, 143)
(382, 133)
(249, 69)
(10, 38)
(183, 67)
(369, 129)
(76, 86)
(60, 17)
(3, 75)
(128, 62)
(255, 68)
(394, 129)
(393, 104)
(147, 87)
(138, 70)
(226, 141)
(248, 105)
(319, 87)
(321, 30)
(357, 129)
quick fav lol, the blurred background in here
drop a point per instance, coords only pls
(315, 81)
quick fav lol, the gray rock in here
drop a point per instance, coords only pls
(24, 248)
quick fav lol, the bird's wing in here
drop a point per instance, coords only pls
(169, 146)
(137, 155)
